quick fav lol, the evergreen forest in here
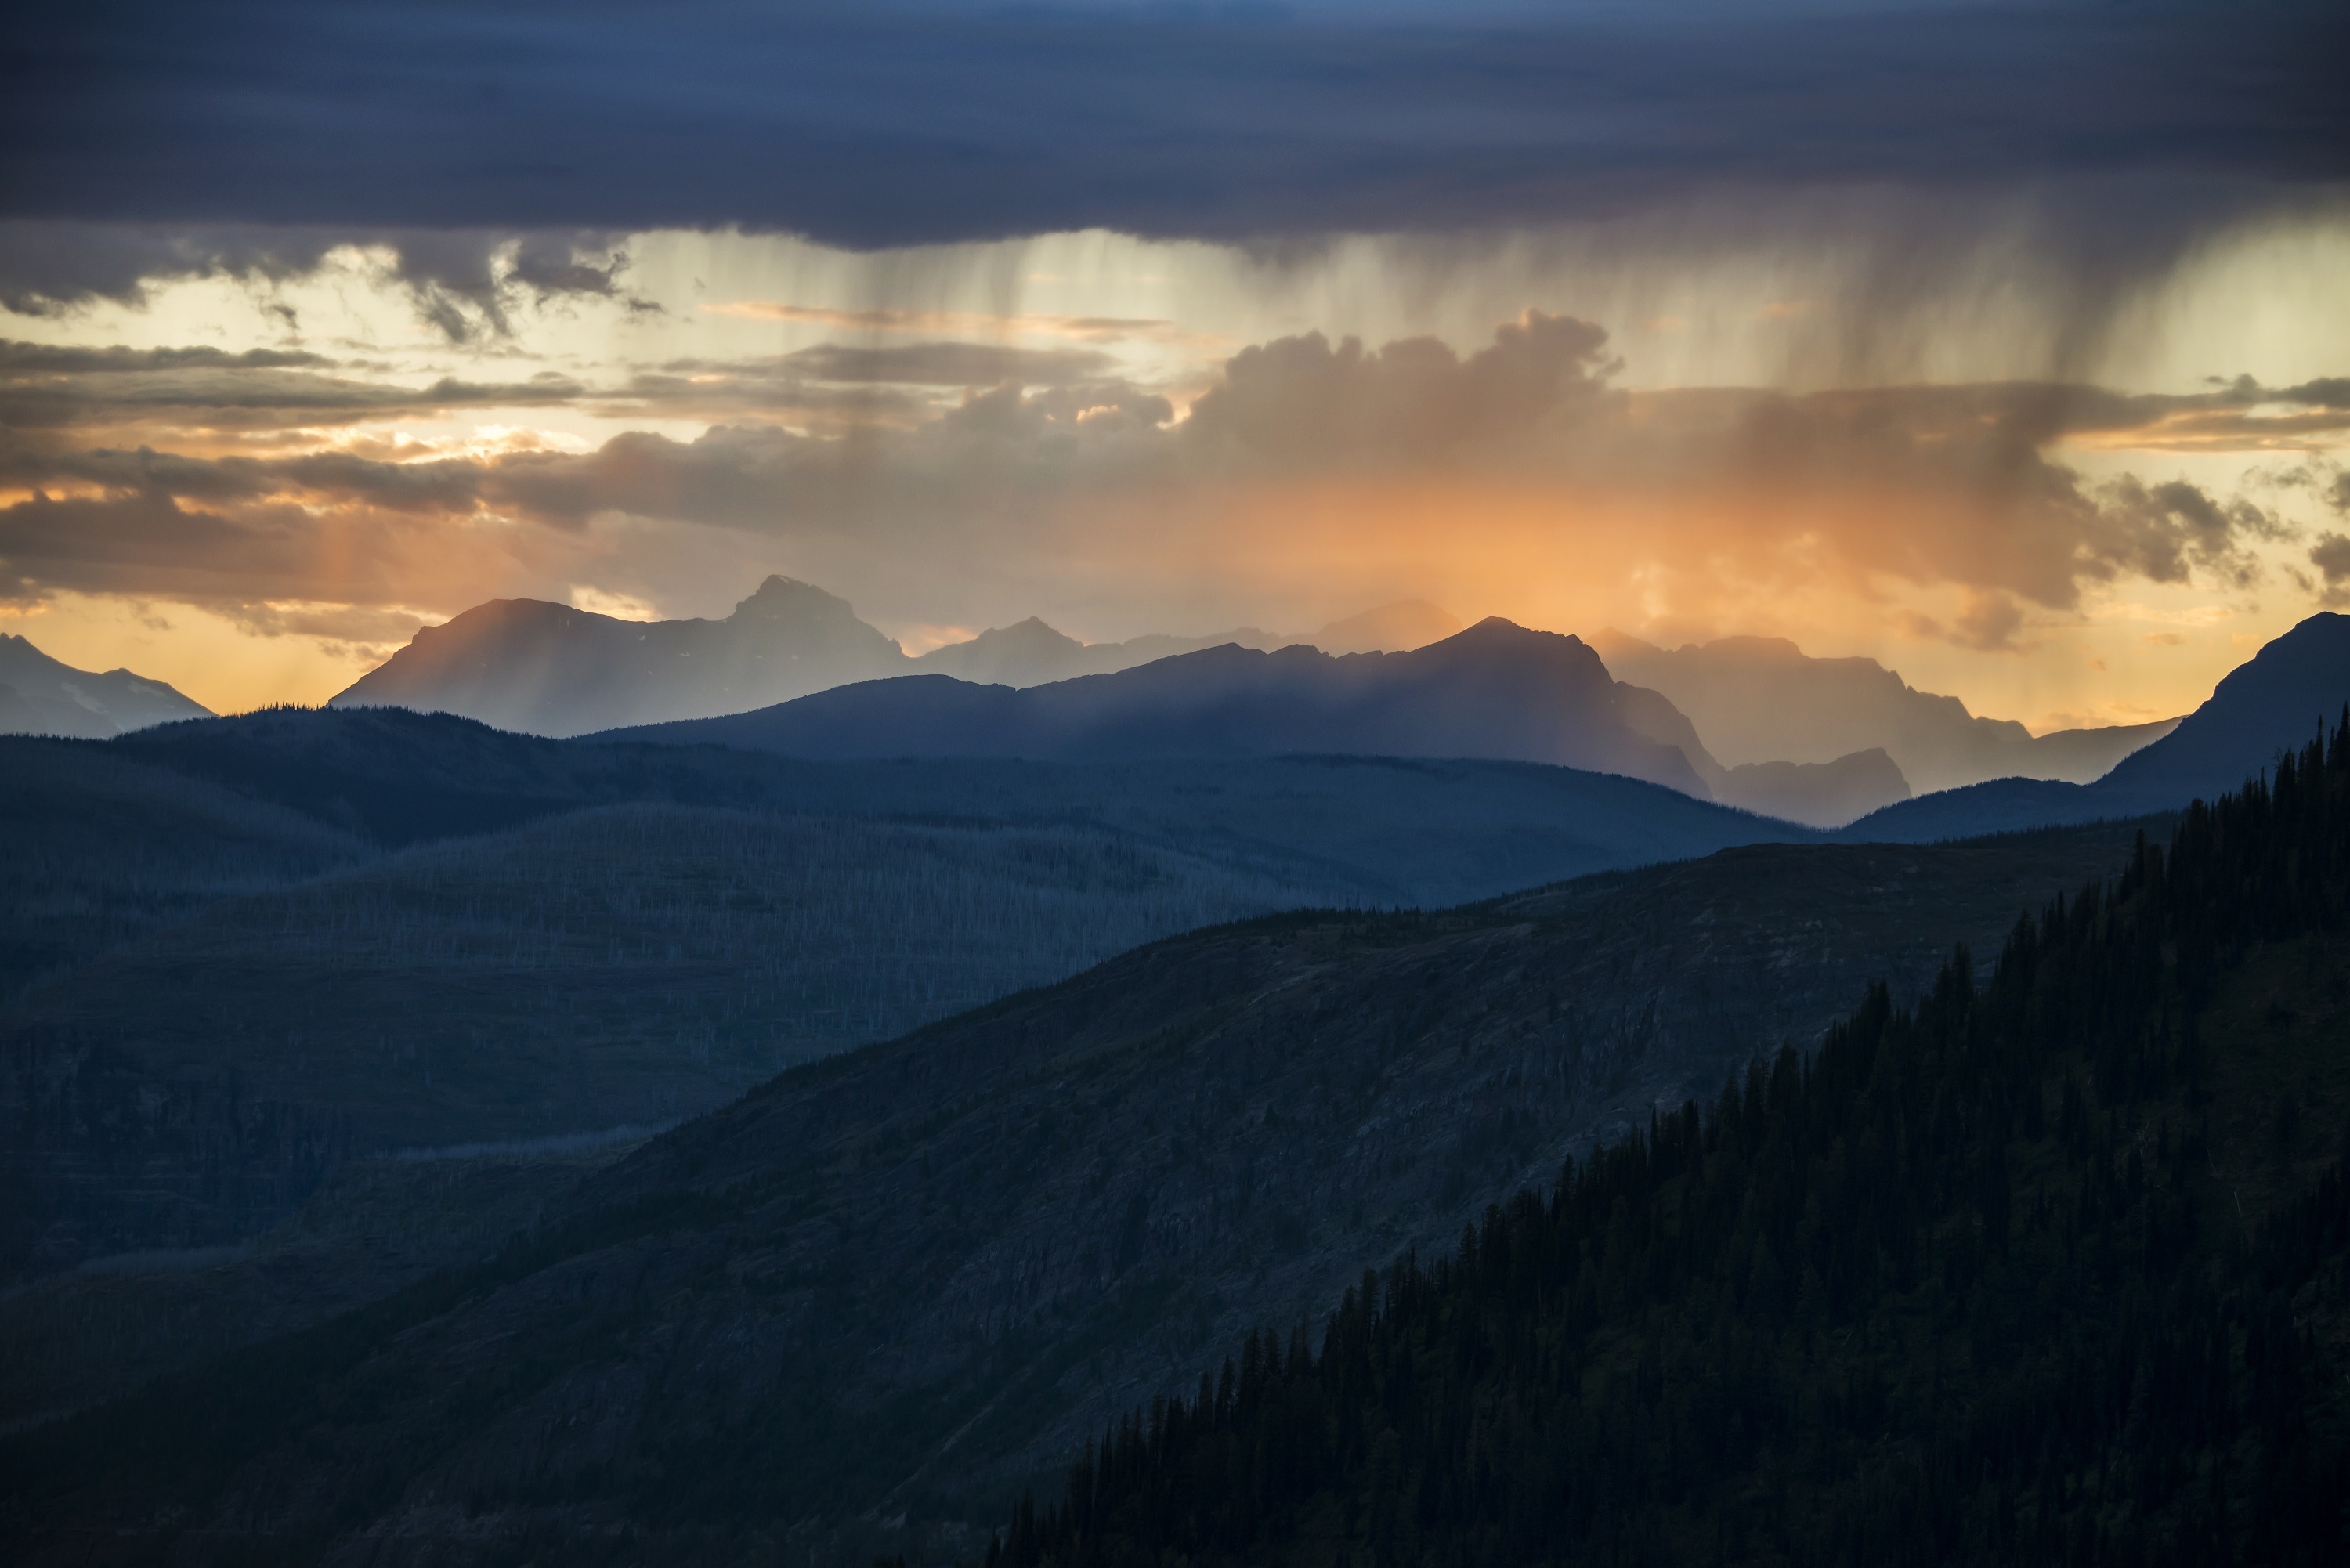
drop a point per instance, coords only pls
(2049, 1268)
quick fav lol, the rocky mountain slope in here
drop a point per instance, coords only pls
(41, 696)
(908, 1280)
(549, 669)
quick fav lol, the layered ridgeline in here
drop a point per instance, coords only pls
(552, 669)
(1759, 699)
(40, 696)
(235, 954)
(1496, 690)
(912, 1278)
(2293, 689)
(1032, 653)
(2055, 1270)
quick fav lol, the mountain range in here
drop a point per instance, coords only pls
(2269, 704)
(1494, 690)
(1760, 700)
(547, 668)
(1032, 653)
(40, 696)
(1834, 739)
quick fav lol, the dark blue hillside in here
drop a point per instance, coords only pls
(2287, 693)
(1495, 691)
(1396, 830)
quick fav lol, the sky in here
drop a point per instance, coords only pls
(2008, 347)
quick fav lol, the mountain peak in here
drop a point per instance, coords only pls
(1502, 629)
(780, 595)
(49, 697)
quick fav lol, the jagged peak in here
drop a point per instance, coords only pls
(782, 595)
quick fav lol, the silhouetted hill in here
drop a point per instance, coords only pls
(547, 668)
(909, 1278)
(40, 696)
(1494, 690)
(1822, 794)
(1027, 654)
(2276, 700)
(2294, 687)
(1762, 699)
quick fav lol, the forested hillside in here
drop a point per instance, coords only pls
(912, 1279)
(2047, 1270)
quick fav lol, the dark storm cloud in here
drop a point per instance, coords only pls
(886, 125)
(463, 281)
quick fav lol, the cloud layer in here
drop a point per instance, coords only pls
(1959, 487)
(898, 124)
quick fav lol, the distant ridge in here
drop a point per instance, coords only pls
(2276, 700)
(1496, 690)
(545, 669)
(41, 696)
(1757, 698)
(549, 669)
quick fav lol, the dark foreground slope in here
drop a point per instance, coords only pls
(905, 1279)
(1496, 689)
(1979, 1282)
(2290, 690)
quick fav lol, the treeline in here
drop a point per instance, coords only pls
(1958, 1289)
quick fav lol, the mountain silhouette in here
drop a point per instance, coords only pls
(41, 696)
(549, 669)
(2276, 700)
(545, 669)
(1818, 795)
(1762, 700)
(1032, 653)
(1496, 690)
